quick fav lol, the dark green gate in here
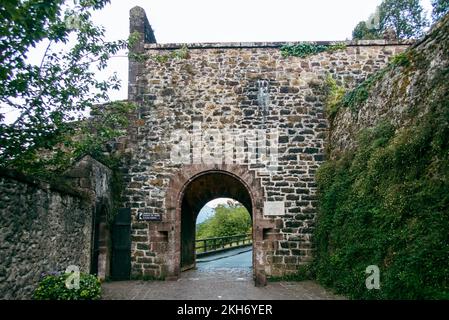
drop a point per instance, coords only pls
(121, 246)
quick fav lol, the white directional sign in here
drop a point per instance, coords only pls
(146, 216)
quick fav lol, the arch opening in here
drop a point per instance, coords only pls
(224, 236)
(197, 193)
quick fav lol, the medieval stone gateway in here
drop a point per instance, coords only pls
(196, 89)
(236, 120)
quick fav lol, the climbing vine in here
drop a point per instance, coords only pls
(334, 94)
(338, 97)
(177, 54)
(306, 49)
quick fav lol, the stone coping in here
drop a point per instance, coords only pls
(55, 185)
(244, 45)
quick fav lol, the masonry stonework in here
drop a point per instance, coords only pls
(47, 227)
(229, 86)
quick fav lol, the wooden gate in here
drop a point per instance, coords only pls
(121, 246)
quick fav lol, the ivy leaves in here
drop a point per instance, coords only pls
(306, 49)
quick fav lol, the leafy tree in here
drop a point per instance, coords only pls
(369, 29)
(47, 97)
(363, 32)
(440, 8)
(229, 220)
(405, 17)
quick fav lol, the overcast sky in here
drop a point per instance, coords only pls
(235, 21)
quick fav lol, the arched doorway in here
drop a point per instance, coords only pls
(195, 185)
(198, 192)
(224, 240)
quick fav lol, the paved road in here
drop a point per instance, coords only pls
(237, 258)
(227, 276)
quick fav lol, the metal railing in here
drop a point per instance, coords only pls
(211, 245)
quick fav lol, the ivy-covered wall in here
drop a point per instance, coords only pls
(384, 194)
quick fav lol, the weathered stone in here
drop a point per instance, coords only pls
(241, 86)
(143, 246)
(46, 227)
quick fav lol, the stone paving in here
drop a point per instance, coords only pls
(214, 280)
(189, 287)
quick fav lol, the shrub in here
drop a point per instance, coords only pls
(335, 94)
(306, 49)
(53, 287)
(386, 204)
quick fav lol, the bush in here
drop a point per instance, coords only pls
(386, 204)
(53, 287)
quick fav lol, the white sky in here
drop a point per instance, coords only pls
(235, 21)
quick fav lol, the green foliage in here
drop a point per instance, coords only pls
(336, 47)
(386, 204)
(353, 99)
(401, 59)
(228, 221)
(178, 54)
(53, 287)
(47, 97)
(359, 95)
(363, 32)
(405, 17)
(440, 9)
(76, 140)
(306, 49)
(334, 94)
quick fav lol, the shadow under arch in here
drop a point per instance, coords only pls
(195, 185)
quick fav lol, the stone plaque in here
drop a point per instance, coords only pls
(146, 216)
(274, 208)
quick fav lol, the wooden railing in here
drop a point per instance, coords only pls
(211, 245)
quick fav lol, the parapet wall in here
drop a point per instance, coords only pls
(43, 229)
(47, 227)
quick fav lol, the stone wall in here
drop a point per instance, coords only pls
(43, 229)
(46, 227)
(95, 178)
(237, 86)
(402, 94)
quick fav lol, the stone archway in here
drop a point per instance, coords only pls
(192, 187)
(202, 189)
